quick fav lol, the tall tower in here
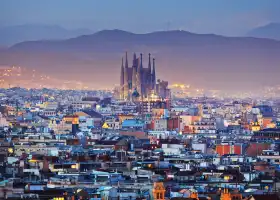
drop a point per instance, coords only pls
(139, 76)
(154, 75)
(125, 87)
(150, 72)
(134, 72)
(126, 61)
(122, 81)
(141, 61)
(135, 62)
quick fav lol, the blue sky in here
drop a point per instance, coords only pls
(227, 17)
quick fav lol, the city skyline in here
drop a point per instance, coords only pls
(140, 100)
(179, 52)
(163, 31)
(85, 40)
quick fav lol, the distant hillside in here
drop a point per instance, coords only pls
(271, 31)
(202, 60)
(14, 34)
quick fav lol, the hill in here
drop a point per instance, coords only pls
(11, 35)
(202, 60)
(271, 31)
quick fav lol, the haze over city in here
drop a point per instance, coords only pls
(206, 44)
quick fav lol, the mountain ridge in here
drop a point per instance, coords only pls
(271, 31)
(204, 60)
(11, 35)
(121, 36)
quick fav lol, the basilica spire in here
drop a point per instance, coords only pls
(126, 78)
(140, 75)
(134, 71)
(154, 66)
(154, 74)
(150, 75)
(126, 61)
(122, 73)
(141, 61)
(150, 65)
(122, 79)
(134, 60)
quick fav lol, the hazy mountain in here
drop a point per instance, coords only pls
(14, 34)
(271, 31)
(202, 60)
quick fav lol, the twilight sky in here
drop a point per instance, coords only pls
(227, 17)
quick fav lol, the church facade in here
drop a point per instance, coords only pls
(137, 81)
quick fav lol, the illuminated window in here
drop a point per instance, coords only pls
(10, 150)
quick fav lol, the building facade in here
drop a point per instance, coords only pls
(137, 82)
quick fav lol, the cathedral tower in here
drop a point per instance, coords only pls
(154, 75)
(135, 61)
(150, 71)
(134, 72)
(136, 79)
(122, 81)
(139, 76)
(126, 79)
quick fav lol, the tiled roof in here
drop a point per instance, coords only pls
(93, 113)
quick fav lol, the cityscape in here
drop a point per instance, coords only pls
(148, 100)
